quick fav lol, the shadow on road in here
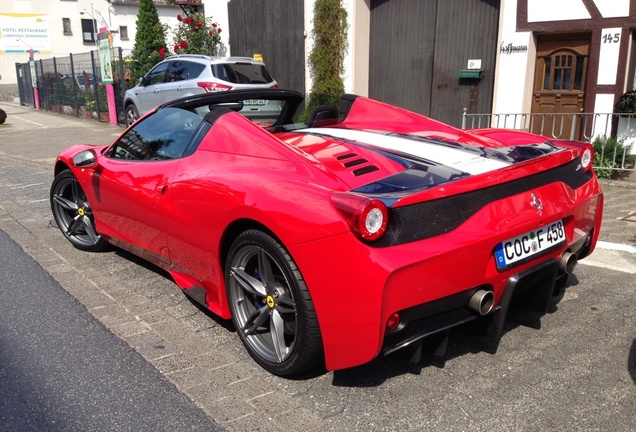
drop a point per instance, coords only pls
(631, 361)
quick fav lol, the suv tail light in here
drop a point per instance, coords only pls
(275, 86)
(210, 87)
(367, 218)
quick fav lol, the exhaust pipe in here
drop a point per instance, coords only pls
(568, 262)
(482, 302)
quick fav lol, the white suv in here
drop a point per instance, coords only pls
(189, 74)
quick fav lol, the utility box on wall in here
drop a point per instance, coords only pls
(475, 74)
(473, 70)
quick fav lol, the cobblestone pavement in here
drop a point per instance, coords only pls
(573, 370)
(619, 219)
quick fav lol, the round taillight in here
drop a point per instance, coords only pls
(368, 218)
(586, 158)
(393, 322)
(373, 220)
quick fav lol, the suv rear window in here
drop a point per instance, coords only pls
(242, 73)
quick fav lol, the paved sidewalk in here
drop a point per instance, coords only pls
(619, 218)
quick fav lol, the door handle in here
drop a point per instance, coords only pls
(156, 90)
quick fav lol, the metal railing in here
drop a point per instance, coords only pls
(613, 135)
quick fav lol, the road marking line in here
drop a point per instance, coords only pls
(29, 121)
(611, 260)
(616, 246)
(25, 186)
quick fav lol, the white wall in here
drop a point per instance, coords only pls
(557, 10)
(613, 8)
(514, 71)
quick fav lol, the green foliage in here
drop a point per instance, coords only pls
(608, 154)
(66, 91)
(627, 103)
(326, 60)
(197, 34)
(101, 97)
(81, 98)
(150, 40)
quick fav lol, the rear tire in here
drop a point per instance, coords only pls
(271, 307)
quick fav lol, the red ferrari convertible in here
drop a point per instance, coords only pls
(362, 231)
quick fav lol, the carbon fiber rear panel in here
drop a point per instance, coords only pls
(437, 217)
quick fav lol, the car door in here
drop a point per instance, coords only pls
(176, 78)
(150, 94)
(132, 178)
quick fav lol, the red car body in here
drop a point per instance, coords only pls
(441, 242)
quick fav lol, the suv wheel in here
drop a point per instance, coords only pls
(131, 114)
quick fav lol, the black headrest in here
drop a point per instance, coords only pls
(215, 113)
(323, 115)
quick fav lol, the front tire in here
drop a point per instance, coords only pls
(73, 214)
(271, 307)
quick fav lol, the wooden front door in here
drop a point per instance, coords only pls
(559, 85)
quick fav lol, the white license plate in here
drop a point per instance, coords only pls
(255, 102)
(529, 244)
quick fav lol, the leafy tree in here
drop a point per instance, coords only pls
(197, 34)
(150, 40)
(627, 103)
(326, 60)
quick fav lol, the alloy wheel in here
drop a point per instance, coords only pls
(73, 214)
(265, 309)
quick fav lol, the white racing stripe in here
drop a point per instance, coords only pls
(455, 158)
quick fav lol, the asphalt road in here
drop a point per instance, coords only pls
(62, 370)
(572, 370)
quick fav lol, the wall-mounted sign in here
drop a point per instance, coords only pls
(34, 75)
(474, 64)
(21, 32)
(512, 49)
(103, 46)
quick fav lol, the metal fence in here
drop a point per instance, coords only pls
(613, 135)
(72, 85)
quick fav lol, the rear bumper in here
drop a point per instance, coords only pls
(533, 289)
(356, 288)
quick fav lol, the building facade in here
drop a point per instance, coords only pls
(534, 56)
(566, 56)
(57, 28)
